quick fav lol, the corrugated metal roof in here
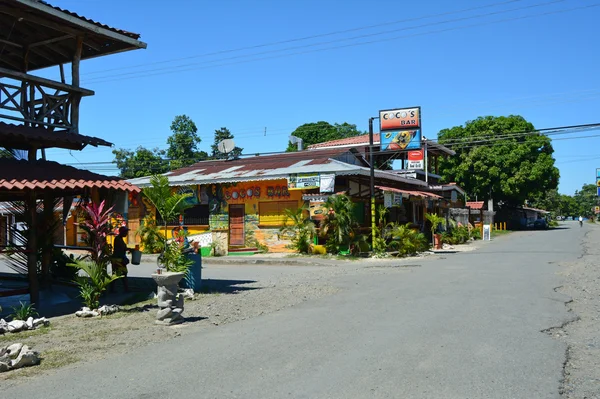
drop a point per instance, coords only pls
(91, 21)
(25, 137)
(19, 175)
(410, 192)
(349, 141)
(271, 167)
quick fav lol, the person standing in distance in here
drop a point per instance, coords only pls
(119, 260)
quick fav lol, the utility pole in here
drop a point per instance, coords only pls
(372, 182)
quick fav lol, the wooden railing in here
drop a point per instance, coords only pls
(37, 101)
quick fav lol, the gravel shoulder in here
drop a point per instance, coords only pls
(582, 336)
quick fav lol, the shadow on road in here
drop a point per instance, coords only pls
(226, 286)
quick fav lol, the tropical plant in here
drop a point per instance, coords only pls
(338, 222)
(435, 221)
(300, 228)
(150, 236)
(250, 240)
(97, 226)
(169, 205)
(23, 311)
(96, 282)
(174, 259)
(380, 244)
(406, 240)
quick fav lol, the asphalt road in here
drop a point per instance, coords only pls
(466, 325)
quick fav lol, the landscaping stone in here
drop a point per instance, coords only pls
(16, 326)
(108, 309)
(16, 356)
(3, 326)
(29, 323)
(86, 312)
(188, 293)
(41, 322)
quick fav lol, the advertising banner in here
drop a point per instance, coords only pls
(402, 118)
(400, 140)
(597, 173)
(303, 181)
(415, 160)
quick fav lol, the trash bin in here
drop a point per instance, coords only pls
(136, 256)
(193, 277)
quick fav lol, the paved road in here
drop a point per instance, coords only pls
(465, 326)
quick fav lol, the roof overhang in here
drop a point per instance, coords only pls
(42, 35)
(24, 138)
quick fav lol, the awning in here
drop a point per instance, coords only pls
(21, 175)
(414, 193)
(25, 137)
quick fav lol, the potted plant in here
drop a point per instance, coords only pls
(435, 221)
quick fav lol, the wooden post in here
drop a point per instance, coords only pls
(75, 82)
(49, 234)
(34, 287)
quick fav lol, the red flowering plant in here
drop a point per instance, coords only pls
(98, 228)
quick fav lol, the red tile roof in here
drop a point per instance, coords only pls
(475, 204)
(19, 175)
(362, 139)
(25, 137)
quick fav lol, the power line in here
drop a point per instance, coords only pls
(174, 70)
(307, 37)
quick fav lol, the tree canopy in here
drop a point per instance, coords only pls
(319, 132)
(182, 151)
(220, 135)
(183, 143)
(500, 158)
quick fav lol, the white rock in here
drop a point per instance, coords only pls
(16, 326)
(3, 326)
(108, 309)
(152, 295)
(188, 293)
(4, 367)
(26, 358)
(87, 313)
(41, 322)
(29, 323)
(14, 349)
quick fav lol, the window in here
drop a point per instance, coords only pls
(197, 215)
(273, 213)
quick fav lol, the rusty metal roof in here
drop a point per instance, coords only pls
(413, 193)
(21, 175)
(24, 137)
(273, 167)
(363, 140)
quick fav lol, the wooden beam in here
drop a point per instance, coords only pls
(34, 284)
(50, 41)
(81, 25)
(8, 42)
(44, 82)
(75, 82)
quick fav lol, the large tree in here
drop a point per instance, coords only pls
(141, 162)
(183, 143)
(182, 151)
(586, 200)
(220, 135)
(319, 132)
(500, 158)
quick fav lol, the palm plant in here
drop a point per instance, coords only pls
(435, 221)
(406, 240)
(150, 236)
(300, 228)
(339, 222)
(96, 282)
(169, 205)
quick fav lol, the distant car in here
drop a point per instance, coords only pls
(540, 224)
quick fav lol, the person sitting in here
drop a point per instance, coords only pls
(119, 260)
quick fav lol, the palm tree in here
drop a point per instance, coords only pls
(301, 227)
(435, 221)
(169, 205)
(339, 222)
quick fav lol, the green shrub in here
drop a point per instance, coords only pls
(151, 239)
(96, 282)
(300, 229)
(406, 240)
(23, 311)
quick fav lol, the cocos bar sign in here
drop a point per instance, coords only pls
(403, 118)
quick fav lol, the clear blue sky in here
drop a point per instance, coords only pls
(456, 66)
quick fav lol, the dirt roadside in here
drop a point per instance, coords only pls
(582, 336)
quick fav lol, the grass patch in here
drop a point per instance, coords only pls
(10, 337)
(498, 233)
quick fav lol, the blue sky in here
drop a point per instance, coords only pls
(536, 58)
